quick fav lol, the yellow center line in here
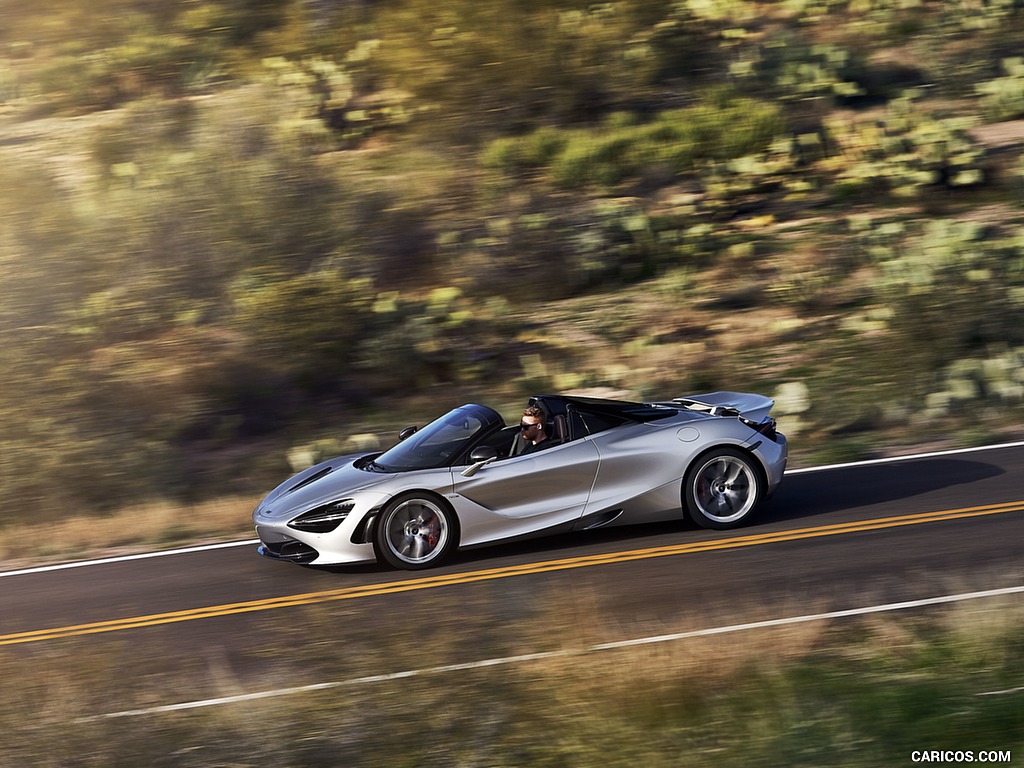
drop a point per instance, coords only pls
(451, 579)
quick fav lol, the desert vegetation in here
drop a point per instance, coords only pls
(237, 230)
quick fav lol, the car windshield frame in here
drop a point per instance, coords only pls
(442, 441)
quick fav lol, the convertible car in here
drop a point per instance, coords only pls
(464, 479)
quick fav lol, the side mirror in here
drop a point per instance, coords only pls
(483, 453)
(481, 456)
(407, 433)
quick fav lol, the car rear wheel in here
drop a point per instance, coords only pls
(722, 489)
(416, 531)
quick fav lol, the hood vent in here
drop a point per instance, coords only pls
(311, 479)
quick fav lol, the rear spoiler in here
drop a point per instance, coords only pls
(752, 407)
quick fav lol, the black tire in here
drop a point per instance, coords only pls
(723, 488)
(415, 531)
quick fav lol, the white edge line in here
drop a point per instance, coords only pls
(253, 542)
(372, 679)
(893, 459)
(1001, 693)
(127, 558)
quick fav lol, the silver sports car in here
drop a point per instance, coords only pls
(465, 479)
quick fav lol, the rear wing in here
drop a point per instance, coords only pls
(752, 407)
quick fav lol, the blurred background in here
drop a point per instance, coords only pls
(236, 235)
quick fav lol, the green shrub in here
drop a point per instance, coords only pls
(997, 378)
(519, 154)
(305, 324)
(1003, 98)
(443, 338)
(677, 141)
(905, 154)
(965, 16)
(795, 70)
(937, 279)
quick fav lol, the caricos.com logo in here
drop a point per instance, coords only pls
(939, 756)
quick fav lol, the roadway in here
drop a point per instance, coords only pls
(831, 539)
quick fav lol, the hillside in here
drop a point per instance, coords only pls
(230, 228)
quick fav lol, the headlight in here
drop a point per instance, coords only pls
(323, 519)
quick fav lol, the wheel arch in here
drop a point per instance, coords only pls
(749, 450)
(411, 493)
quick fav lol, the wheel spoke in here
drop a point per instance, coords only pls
(724, 489)
(414, 548)
(416, 531)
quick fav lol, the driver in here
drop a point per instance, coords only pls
(531, 429)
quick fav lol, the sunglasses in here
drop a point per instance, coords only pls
(525, 427)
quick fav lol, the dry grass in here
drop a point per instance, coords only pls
(579, 621)
(151, 525)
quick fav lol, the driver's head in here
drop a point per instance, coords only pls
(532, 422)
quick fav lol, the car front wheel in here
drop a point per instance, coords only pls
(416, 531)
(722, 489)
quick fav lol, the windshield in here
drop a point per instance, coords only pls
(437, 444)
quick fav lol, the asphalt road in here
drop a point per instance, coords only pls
(831, 539)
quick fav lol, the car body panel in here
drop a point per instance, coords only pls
(638, 474)
(620, 463)
(522, 493)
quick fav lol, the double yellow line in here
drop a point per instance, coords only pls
(444, 580)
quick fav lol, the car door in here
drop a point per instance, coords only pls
(531, 492)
